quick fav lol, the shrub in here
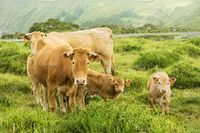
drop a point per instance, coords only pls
(159, 58)
(188, 49)
(127, 48)
(12, 83)
(187, 74)
(195, 41)
(13, 58)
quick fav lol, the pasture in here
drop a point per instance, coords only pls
(136, 59)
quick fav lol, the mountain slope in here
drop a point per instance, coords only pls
(19, 15)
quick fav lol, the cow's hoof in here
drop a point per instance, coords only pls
(63, 110)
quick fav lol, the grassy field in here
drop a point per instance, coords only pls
(136, 59)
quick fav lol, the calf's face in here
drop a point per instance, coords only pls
(163, 84)
(119, 83)
(80, 59)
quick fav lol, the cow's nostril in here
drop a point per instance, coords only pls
(77, 81)
(83, 81)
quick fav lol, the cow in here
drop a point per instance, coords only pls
(159, 90)
(98, 40)
(103, 85)
(55, 65)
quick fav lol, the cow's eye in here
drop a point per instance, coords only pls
(88, 63)
(73, 62)
(159, 83)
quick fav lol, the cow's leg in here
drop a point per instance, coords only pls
(81, 92)
(45, 100)
(61, 102)
(36, 92)
(107, 65)
(72, 97)
(151, 102)
(167, 106)
(52, 96)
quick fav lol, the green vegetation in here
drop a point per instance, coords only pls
(53, 25)
(136, 59)
(16, 35)
(13, 57)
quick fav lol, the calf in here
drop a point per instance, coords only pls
(106, 86)
(159, 90)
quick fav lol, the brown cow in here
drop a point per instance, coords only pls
(98, 40)
(159, 90)
(55, 65)
(106, 86)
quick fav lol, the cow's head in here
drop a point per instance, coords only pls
(163, 84)
(80, 59)
(34, 38)
(119, 83)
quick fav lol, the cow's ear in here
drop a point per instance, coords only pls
(155, 79)
(69, 54)
(112, 80)
(43, 34)
(128, 82)
(172, 80)
(27, 37)
(93, 57)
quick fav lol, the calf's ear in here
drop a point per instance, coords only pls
(172, 80)
(93, 57)
(155, 79)
(128, 82)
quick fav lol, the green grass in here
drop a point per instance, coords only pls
(129, 112)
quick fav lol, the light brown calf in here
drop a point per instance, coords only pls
(159, 90)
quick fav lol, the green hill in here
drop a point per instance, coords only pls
(20, 15)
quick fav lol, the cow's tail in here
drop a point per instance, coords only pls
(113, 65)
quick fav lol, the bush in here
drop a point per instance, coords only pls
(53, 25)
(187, 74)
(127, 48)
(188, 49)
(99, 117)
(195, 41)
(159, 58)
(12, 83)
(13, 58)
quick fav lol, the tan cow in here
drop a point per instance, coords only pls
(55, 65)
(159, 90)
(106, 86)
(98, 40)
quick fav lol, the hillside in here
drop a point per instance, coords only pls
(136, 59)
(21, 14)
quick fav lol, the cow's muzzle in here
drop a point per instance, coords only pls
(80, 81)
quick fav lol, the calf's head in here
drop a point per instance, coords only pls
(80, 59)
(119, 83)
(163, 84)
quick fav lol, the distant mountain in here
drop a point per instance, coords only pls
(20, 15)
